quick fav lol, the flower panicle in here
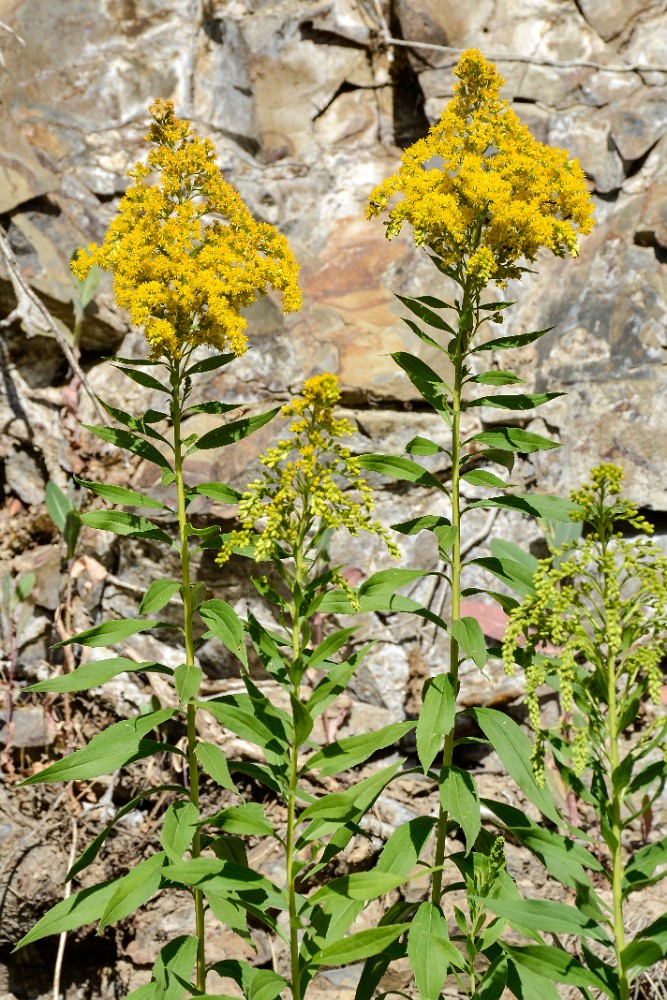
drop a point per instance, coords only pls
(185, 252)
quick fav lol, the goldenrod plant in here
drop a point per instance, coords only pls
(602, 601)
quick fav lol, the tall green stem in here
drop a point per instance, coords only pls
(617, 829)
(193, 764)
(448, 750)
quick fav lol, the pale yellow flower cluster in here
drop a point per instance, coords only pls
(310, 482)
(185, 252)
(480, 190)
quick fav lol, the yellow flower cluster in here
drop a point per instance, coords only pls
(185, 252)
(310, 482)
(480, 190)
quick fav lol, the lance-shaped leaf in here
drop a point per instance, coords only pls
(240, 715)
(108, 633)
(518, 340)
(95, 673)
(334, 683)
(121, 495)
(535, 504)
(362, 886)
(343, 754)
(424, 313)
(81, 908)
(421, 334)
(159, 593)
(256, 984)
(547, 915)
(143, 378)
(430, 951)
(218, 491)
(399, 468)
(134, 889)
(131, 442)
(640, 870)
(137, 424)
(122, 523)
(119, 744)
(248, 818)
(226, 626)
(358, 946)
(460, 799)
(214, 762)
(209, 364)
(480, 477)
(520, 401)
(428, 382)
(174, 967)
(513, 439)
(330, 645)
(178, 826)
(423, 446)
(555, 964)
(234, 431)
(513, 573)
(427, 522)
(225, 877)
(436, 718)
(468, 633)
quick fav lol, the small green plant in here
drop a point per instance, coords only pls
(603, 601)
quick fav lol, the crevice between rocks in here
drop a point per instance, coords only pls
(410, 120)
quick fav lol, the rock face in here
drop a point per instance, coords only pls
(308, 104)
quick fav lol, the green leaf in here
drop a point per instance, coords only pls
(436, 718)
(334, 683)
(427, 381)
(236, 430)
(187, 679)
(502, 549)
(554, 508)
(108, 633)
(239, 714)
(422, 446)
(423, 313)
(357, 946)
(403, 849)
(256, 984)
(121, 495)
(209, 364)
(546, 915)
(96, 673)
(226, 626)
(219, 492)
(178, 827)
(174, 966)
(555, 964)
(520, 340)
(640, 869)
(460, 799)
(330, 645)
(641, 954)
(513, 439)
(427, 522)
(81, 908)
(520, 401)
(468, 633)
(480, 477)
(346, 753)
(423, 336)
(134, 423)
(119, 744)
(400, 468)
(158, 595)
(514, 749)
(133, 890)
(517, 575)
(496, 378)
(122, 523)
(527, 985)
(130, 442)
(361, 886)
(389, 580)
(214, 762)
(430, 951)
(248, 818)
(57, 505)
(143, 378)
(224, 877)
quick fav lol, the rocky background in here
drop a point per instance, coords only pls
(309, 104)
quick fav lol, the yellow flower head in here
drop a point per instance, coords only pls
(480, 190)
(310, 482)
(185, 252)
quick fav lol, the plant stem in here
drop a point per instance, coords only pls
(193, 764)
(448, 750)
(617, 829)
(291, 792)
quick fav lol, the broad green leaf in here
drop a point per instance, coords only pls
(225, 877)
(357, 946)
(81, 908)
(136, 424)
(134, 889)
(514, 749)
(400, 468)
(430, 951)
(516, 575)
(213, 406)
(436, 718)
(57, 505)
(527, 985)
(496, 378)
(248, 818)
(546, 915)
(187, 680)
(502, 549)
(231, 913)
(403, 849)
(423, 313)
(361, 886)
(117, 745)
(480, 477)
(341, 755)
(510, 401)
(108, 633)
(460, 799)
(641, 954)
(256, 984)
(226, 626)
(427, 522)
(89, 853)
(423, 446)
(389, 580)
(178, 827)
(640, 869)
(520, 340)
(143, 378)
(428, 383)
(209, 364)
(535, 504)
(219, 492)
(121, 495)
(468, 633)
(238, 714)
(555, 964)
(131, 442)
(96, 673)
(513, 439)
(214, 762)
(330, 645)
(174, 966)
(122, 523)
(236, 430)
(158, 595)
(149, 991)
